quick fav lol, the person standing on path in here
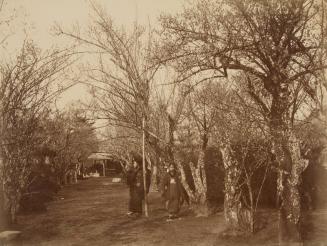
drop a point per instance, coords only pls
(136, 188)
(172, 191)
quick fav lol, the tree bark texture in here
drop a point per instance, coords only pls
(290, 167)
(235, 215)
(200, 202)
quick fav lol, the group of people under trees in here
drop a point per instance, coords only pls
(171, 190)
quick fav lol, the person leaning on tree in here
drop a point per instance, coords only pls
(172, 192)
(136, 188)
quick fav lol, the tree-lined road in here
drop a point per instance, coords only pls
(93, 212)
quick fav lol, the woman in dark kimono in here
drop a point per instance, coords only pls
(136, 188)
(172, 192)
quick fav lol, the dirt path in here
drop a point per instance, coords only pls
(93, 212)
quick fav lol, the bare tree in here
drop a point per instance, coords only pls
(25, 92)
(200, 114)
(70, 139)
(277, 47)
(121, 80)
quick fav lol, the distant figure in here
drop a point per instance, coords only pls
(172, 192)
(136, 188)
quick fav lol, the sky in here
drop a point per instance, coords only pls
(36, 18)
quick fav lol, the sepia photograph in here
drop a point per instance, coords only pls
(163, 122)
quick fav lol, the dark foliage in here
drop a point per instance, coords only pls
(215, 176)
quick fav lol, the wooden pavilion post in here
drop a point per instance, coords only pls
(104, 168)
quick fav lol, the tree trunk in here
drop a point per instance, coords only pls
(4, 218)
(157, 168)
(189, 191)
(232, 201)
(154, 178)
(13, 211)
(171, 142)
(12, 198)
(200, 204)
(291, 166)
(197, 197)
